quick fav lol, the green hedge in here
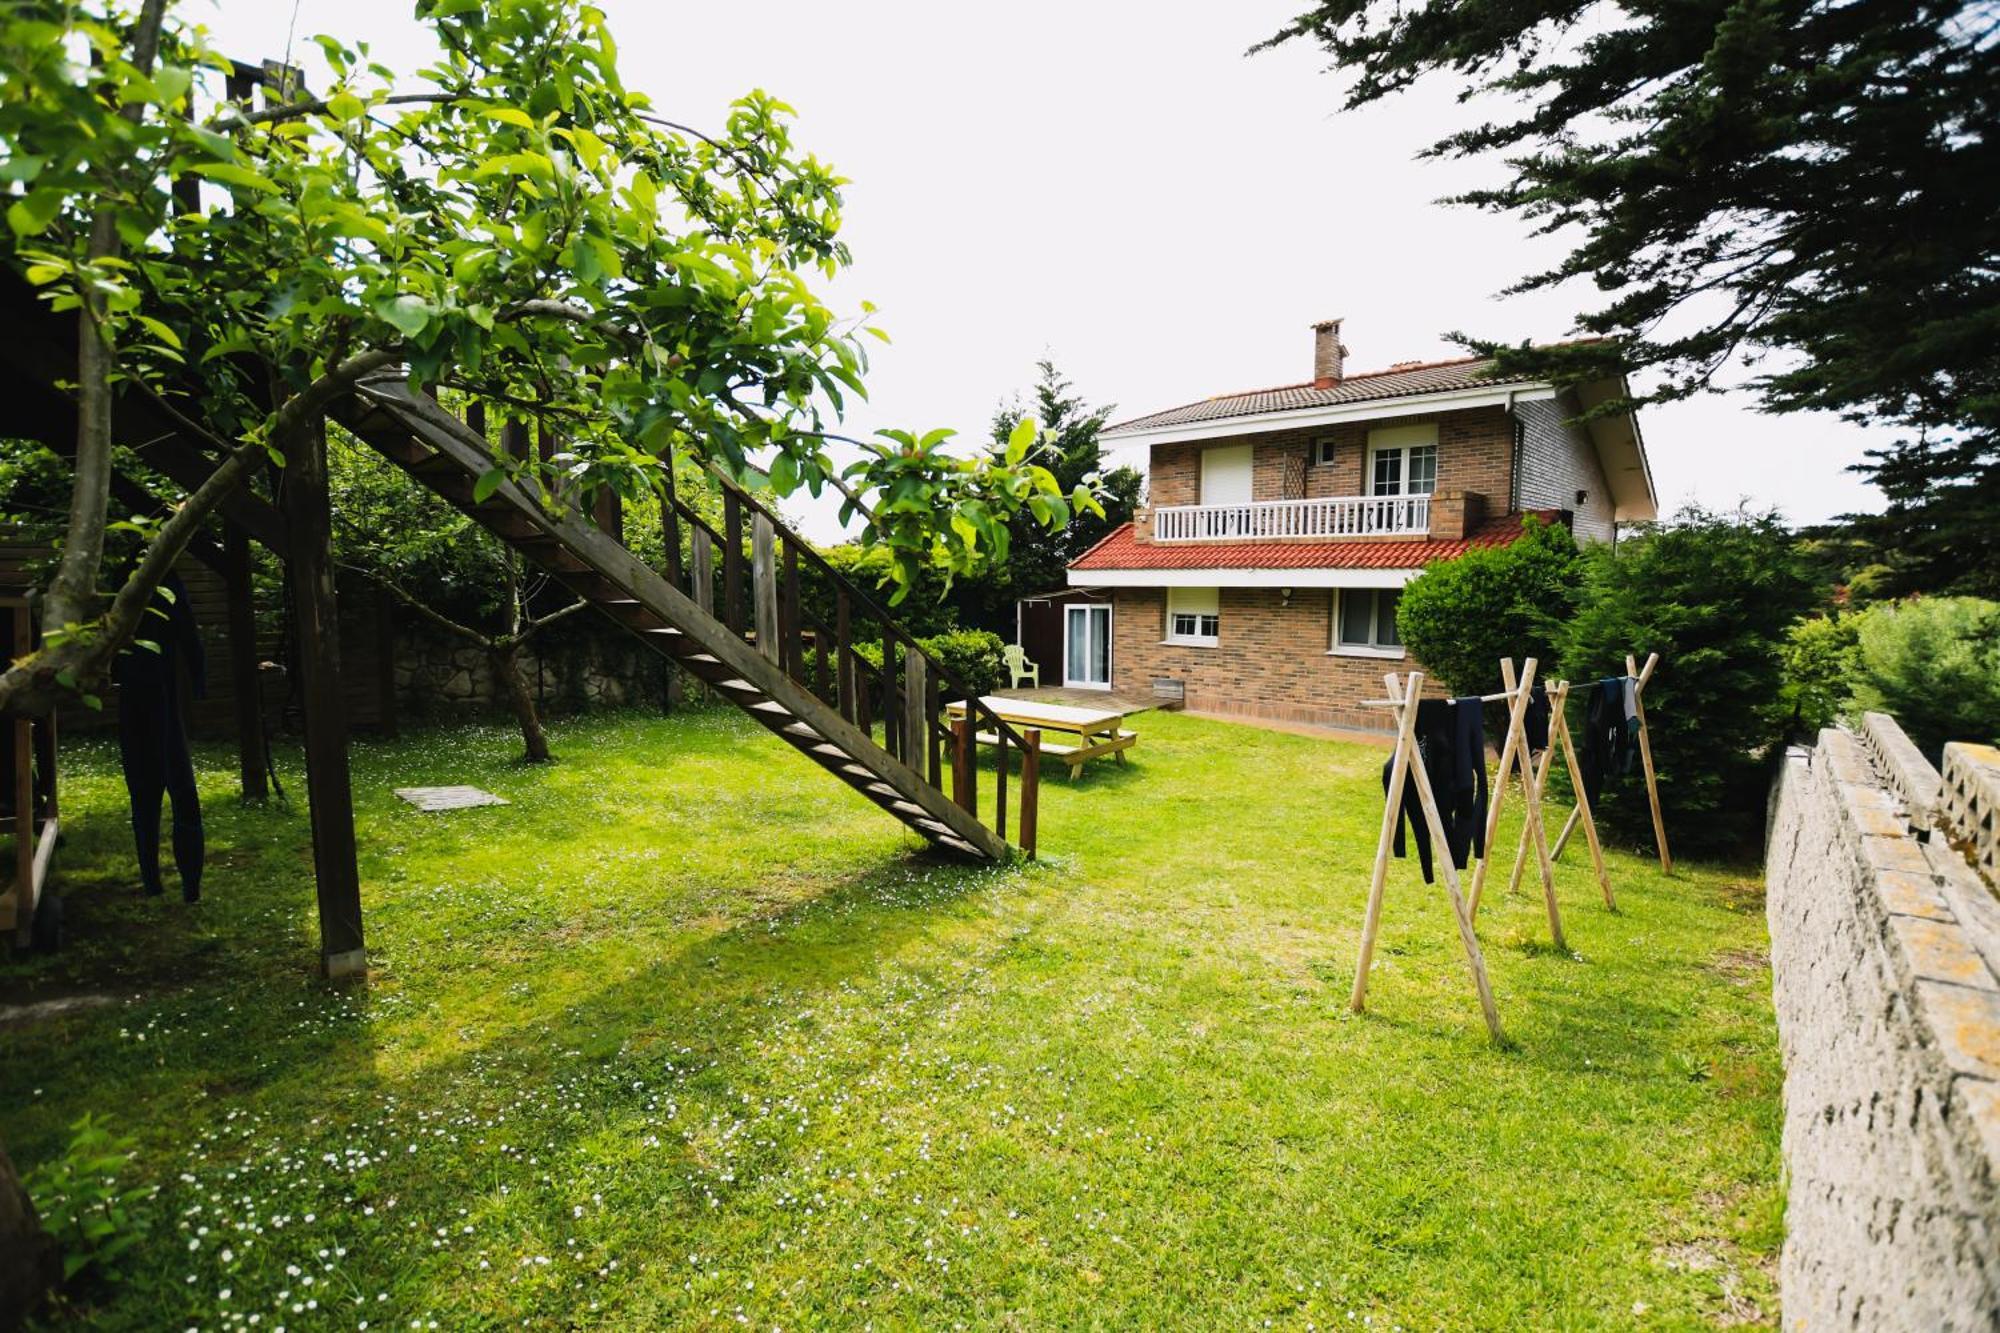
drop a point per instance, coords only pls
(970, 655)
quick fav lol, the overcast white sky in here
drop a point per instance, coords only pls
(1119, 186)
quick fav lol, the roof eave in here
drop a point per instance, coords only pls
(1398, 405)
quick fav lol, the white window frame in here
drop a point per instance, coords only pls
(1110, 643)
(1402, 441)
(1203, 604)
(1324, 450)
(1374, 647)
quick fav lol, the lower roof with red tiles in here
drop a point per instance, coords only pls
(1121, 549)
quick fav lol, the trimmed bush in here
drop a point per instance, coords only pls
(1460, 617)
(1933, 664)
(1714, 596)
(972, 656)
(1820, 660)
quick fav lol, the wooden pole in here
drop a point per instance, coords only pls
(1581, 813)
(1521, 850)
(916, 726)
(961, 766)
(1031, 787)
(1532, 804)
(1517, 708)
(1641, 677)
(1399, 768)
(764, 584)
(309, 568)
(1435, 822)
(1569, 825)
(703, 574)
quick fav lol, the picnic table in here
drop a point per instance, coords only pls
(1091, 731)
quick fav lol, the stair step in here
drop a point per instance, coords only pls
(880, 789)
(829, 751)
(770, 708)
(910, 808)
(737, 685)
(857, 771)
(957, 844)
(803, 732)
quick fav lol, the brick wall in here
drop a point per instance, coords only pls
(1272, 660)
(1475, 453)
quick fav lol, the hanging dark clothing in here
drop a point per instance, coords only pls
(1451, 745)
(152, 736)
(1535, 722)
(1610, 732)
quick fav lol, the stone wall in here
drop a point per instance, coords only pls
(572, 665)
(1885, 954)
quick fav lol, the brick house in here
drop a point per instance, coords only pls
(1279, 526)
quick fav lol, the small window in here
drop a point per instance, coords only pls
(1365, 621)
(1322, 454)
(1192, 616)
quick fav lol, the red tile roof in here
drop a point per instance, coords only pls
(1398, 381)
(1121, 550)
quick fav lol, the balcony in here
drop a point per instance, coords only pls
(1314, 520)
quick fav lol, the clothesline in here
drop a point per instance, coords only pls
(1398, 703)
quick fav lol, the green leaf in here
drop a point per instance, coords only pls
(229, 173)
(489, 482)
(1021, 439)
(410, 314)
(31, 216)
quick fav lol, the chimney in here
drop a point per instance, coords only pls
(1328, 354)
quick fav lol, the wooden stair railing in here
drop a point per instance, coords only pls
(752, 652)
(904, 692)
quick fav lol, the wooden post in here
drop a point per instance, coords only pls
(608, 512)
(916, 725)
(1531, 802)
(892, 716)
(1582, 808)
(309, 569)
(703, 573)
(961, 767)
(1640, 678)
(670, 527)
(1517, 708)
(792, 651)
(1399, 769)
(1475, 961)
(764, 585)
(243, 675)
(1031, 787)
(475, 418)
(732, 559)
(999, 774)
(934, 709)
(843, 656)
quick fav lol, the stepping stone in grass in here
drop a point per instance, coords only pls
(448, 798)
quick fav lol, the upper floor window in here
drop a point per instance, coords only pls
(1403, 460)
(1226, 475)
(1322, 454)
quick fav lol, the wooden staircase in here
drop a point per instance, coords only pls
(758, 661)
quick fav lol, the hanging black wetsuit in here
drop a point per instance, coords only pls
(1451, 745)
(152, 736)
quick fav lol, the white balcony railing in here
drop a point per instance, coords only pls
(1345, 516)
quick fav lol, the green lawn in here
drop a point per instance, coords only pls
(691, 1035)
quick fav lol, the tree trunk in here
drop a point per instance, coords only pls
(27, 1255)
(513, 685)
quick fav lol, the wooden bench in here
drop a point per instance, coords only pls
(1076, 756)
